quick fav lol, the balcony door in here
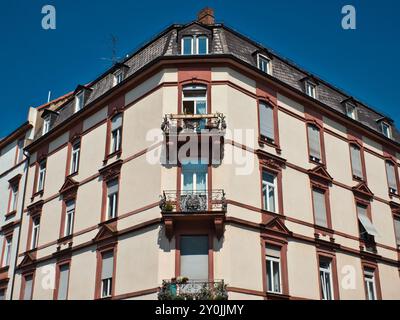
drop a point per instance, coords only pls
(194, 257)
(194, 187)
(194, 102)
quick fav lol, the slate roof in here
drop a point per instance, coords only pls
(224, 40)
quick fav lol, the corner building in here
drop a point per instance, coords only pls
(315, 217)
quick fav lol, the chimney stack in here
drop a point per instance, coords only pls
(206, 16)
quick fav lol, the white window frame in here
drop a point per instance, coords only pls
(311, 89)
(197, 44)
(75, 156)
(46, 125)
(270, 260)
(35, 232)
(194, 99)
(325, 271)
(351, 111)
(116, 140)
(194, 175)
(69, 221)
(387, 134)
(268, 63)
(266, 186)
(41, 175)
(106, 284)
(7, 251)
(191, 45)
(79, 103)
(369, 278)
(14, 197)
(118, 77)
(112, 199)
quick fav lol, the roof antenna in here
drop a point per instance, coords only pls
(49, 97)
(114, 58)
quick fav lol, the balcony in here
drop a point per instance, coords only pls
(184, 289)
(193, 206)
(193, 123)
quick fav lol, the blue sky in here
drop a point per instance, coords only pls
(364, 62)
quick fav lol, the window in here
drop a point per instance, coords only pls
(2, 294)
(194, 257)
(266, 114)
(320, 213)
(14, 196)
(187, 45)
(118, 77)
(42, 175)
(194, 102)
(107, 270)
(391, 177)
(35, 232)
(351, 111)
(386, 130)
(397, 230)
(264, 64)
(314, 143)
(325, 274)
(356, 164)
(46, 125)
(369, 279)
(273, 267)
(79, 101)
(116, 133)
(366, 228)
(76, 150)
(194, 177)
(69, 218)
(62, 293)
(269, 191)
(20, 150)
(27, 287)
(310, 89)
(202, 45)
(112, 198)
(7, 251)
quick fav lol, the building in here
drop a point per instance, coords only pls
(288, 188)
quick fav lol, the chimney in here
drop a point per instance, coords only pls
(206, 16)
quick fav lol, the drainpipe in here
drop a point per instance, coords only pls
(27, 160)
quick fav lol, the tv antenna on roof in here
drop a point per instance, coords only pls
(114, 59)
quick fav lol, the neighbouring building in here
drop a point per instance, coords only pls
(289, 188)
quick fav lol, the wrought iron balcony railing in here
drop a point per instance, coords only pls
(193, 201)
(184, 289)
(193, 123)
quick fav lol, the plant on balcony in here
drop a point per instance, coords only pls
(168, 206)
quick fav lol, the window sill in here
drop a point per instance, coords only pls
(394, 195)
(112, 155)
(65, 239)
(271, 143)
(109, 221)
(318, 162)
(37, 194)
(10, 215)
(324, 231)
(358, 179)
(277, 296)
(71, 175)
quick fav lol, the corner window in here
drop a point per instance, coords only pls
(311, 89)
(325, 274)
(75, 155)
(116, 133)
(264, 64)
(79, 101)
(118, 77)
(269, 191)
(370, 286)
(107, 270)
(386, 129)
(41, 175)
(112, 198)
(46, 125)
(35, 232)
(391, 177)
(273, 268)
(351, 111)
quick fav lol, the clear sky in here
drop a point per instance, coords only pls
(364, 62)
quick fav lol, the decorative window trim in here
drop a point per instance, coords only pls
(34, 211)
(355, 143)
(15, 181)
(373, 266)
(109, 173)
(331, 256)
(23, 284)
(108, 155)
(99, 257)
(66, 260)
(194, 39)
(264, 140)
(71, 144)
(320, 127)
(325, 190)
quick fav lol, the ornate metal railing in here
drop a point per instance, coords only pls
(193, 201)
(189, 123)
(184, 289)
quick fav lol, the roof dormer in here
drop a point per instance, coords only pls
(310, 84)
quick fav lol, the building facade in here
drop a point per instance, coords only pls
(205, 160)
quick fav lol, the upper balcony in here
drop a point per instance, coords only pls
(213, 124)
(193, 206)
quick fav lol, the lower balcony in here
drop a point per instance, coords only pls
(185, 289)
(179, 206)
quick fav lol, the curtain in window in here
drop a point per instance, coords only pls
(320, 208)
(356, 161)
(314, 142)
(266, 121)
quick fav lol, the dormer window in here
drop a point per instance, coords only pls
(118, 77)
(46, 125)
(264, 64)
(386, 129)
(194, 45)
(79, 101)
(351, 111)
(311, 89)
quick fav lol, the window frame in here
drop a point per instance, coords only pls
(271, 260)
(46, 124)
(14, 197)
(325, 191)
(191, 45)
(392, 163)
(35, 232)
(118, 77)
(7, 251)
(372, 280)
(101, 251)
(61, 264)
(198, 37)
(41, 179)
(384, 124)
(326, 271)
(69, 227)
(268, 185)
(23, 285)
(261, 57)
(74, 165)
(79, 101)
(362, 162)
(312, 159)
(351, 111)
(115, 197)
(310, 85)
